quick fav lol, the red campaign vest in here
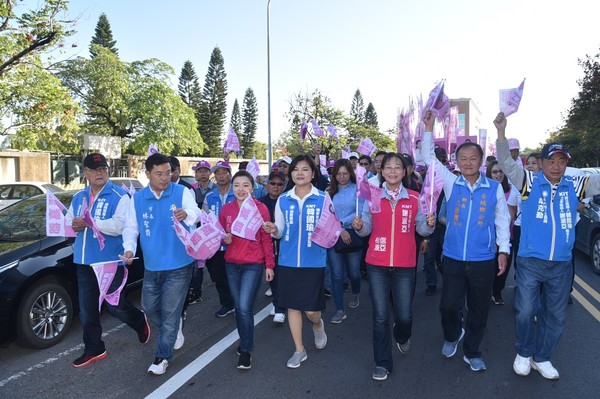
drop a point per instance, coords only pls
(392, 241)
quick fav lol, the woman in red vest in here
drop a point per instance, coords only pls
(391, 259)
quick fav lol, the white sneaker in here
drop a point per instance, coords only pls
(522, 365)
(269, 292)
(546, 369)
(272, 311)
(180, 338)
(158, 367)
(279, 318)
(320, 336)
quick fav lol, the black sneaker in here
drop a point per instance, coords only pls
(245, 361)
(85, 360)
(497, 299)
(224, 311)
(346, 287)
(430, 290)
(193, 299)
(327, 294)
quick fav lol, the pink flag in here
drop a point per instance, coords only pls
(362, 184)
(204, 242)
(323, 164)
(130, 190)
(438, 102)
(328, 227)
(56, 222)
(105, 274)
(366, 147)
(483, 142)
(87, 217)
(346, 153)
(510, 99)
(232, 143)
(152, 149)
(431, 190)
(316, 129)
(375, 202)
(303, 130)
(332, 131)
(248, 221)
(253, 167)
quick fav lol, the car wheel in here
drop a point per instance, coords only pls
(45, 315)
(595, 253)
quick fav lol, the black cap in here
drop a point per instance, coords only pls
(94, 160)
(174, 162)
(273, 175)
(552, 148)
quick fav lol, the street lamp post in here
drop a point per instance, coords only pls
(270, 143)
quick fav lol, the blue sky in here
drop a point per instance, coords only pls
(389, 49)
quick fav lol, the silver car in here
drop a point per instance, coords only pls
(15, 192)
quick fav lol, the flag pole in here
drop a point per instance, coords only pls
(432, 189)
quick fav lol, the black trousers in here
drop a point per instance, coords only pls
(216, 269)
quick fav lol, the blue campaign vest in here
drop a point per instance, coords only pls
(470, 221)
(86, 249)
(162, 248)
(548, 227)
(295, 248)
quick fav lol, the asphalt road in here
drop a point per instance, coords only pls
(206, 365)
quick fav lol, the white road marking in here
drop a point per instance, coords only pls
(51, 360)
(179, 379)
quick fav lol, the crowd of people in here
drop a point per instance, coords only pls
(487, 217)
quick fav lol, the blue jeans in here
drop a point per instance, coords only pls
(163, 294)
(549, 305)
(244, 281)
(89, 315)
(400, 281)
(350, 262)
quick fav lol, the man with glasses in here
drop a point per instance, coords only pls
(168, 267)
(108, 205)
(365, 161)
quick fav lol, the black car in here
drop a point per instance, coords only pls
(38, 281)
(587, 236)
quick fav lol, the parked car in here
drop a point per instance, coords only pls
(188, 178)
(38, 282)
(127, 181)
(587, 236)
(15, 192)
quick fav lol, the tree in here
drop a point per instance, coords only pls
(249, 118)
(236, 118)
(357, 109)
(213, 108)
(189, 89)
(371, 116)
(103, 36)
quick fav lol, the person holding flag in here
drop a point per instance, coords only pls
(301, 264)
(391, 259)
(108, 206)
(249, 250)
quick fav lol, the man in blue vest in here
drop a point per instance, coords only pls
(168, 267)
(477, 224)
(548, 218)
(108, 205)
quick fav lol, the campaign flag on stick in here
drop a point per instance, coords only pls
(87, 217)
(323, 164)
(253, 167)
(204, 242)
(328, 227)
(367, 191)
(248, 221)
(431, 190)
(56, 222)
(303, 130)
(152, 149)
(366, 147)
(105, 274)
(510, 99)
(346, 153)
(130, 190)
(483, 144)
(316, 129)
(438, 102)
(232, 143)
(332, 131)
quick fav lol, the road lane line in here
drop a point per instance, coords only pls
(51, 360)
(183, 376)
(586, 287)
(586, 304)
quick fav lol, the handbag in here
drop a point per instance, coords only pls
(355, 245)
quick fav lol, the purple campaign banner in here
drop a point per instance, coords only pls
(232, 143)
(253, 167)
(105, 273)
(366, 147)
(87, 217)
(332, 131)
(152, 149)
(204, 242)
(431, 190)
(510, 99)
(303, 130)
(56, 222)
(328, 227)
(316, 129)
(248, 221)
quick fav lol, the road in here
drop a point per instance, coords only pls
(206, 365)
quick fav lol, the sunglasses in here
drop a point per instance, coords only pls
(272, 183)
(364, 164)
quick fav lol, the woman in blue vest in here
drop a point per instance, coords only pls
(301, 265)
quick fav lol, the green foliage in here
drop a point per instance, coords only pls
(357, 109)
(103, 36)
(236, 118)
(371, 116)
(260, 150)
(213, 108)
(189, 89)
(249, 118)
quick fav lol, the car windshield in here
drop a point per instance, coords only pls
(26, 220)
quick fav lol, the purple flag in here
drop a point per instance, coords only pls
(56, 222)
(328, 227)
(438, 102)
(232, 143)
(204, 242)
(332, 131)
(316, 129)
(253, 167)
(105, 274)
(248, 221)
(346, 153)
(510, 99)
(431, 190)
(362, 184)
(303, 130)
(375, 203)
(152, 149)
(87, 217)
(366, 147)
